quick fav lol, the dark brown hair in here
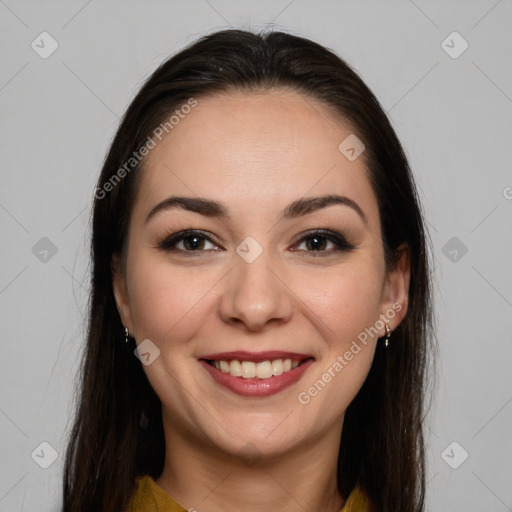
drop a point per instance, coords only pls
(117, 432)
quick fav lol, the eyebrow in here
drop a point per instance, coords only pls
(211, 208)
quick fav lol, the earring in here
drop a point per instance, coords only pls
(144, 421)
(388, 336)
(126, 335)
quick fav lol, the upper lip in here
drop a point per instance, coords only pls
(255, 357)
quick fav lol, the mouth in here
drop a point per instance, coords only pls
(256, 379)
(262, 365)
(262, 369)
(256, 374)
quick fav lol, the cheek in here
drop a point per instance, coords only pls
(342, 307)
(346, 302)
(164, 299)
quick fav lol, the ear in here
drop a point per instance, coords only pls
(121, 292)
(395, 296)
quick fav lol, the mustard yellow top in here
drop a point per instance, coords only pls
(150, 497)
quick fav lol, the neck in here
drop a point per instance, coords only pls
(203, 477)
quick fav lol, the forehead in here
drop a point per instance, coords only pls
(269, 147)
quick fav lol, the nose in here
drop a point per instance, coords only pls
(255, 295)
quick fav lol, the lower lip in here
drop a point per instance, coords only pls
(257, 387)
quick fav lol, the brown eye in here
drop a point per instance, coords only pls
(193, 242)
(325, 241)
(187, 241)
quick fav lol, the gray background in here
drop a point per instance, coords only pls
(58, 115)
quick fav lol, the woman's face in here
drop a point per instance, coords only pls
(253, 281)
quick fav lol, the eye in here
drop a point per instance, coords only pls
(187, 241)
(321, 242)
(325, 241)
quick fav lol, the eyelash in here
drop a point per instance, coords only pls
(169, 242)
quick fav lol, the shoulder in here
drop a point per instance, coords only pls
(141, 498)
(358, 501)
(149, 497)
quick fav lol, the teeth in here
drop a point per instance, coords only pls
(277, 367)
(248, 370)
(235, 368)
(262, 370)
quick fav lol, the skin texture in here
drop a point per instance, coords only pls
(256, 153)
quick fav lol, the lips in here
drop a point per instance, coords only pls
(243, 382)
(255, 357)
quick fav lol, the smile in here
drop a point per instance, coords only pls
(261, 370)
(256, 374)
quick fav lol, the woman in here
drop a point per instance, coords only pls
(260, 318)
